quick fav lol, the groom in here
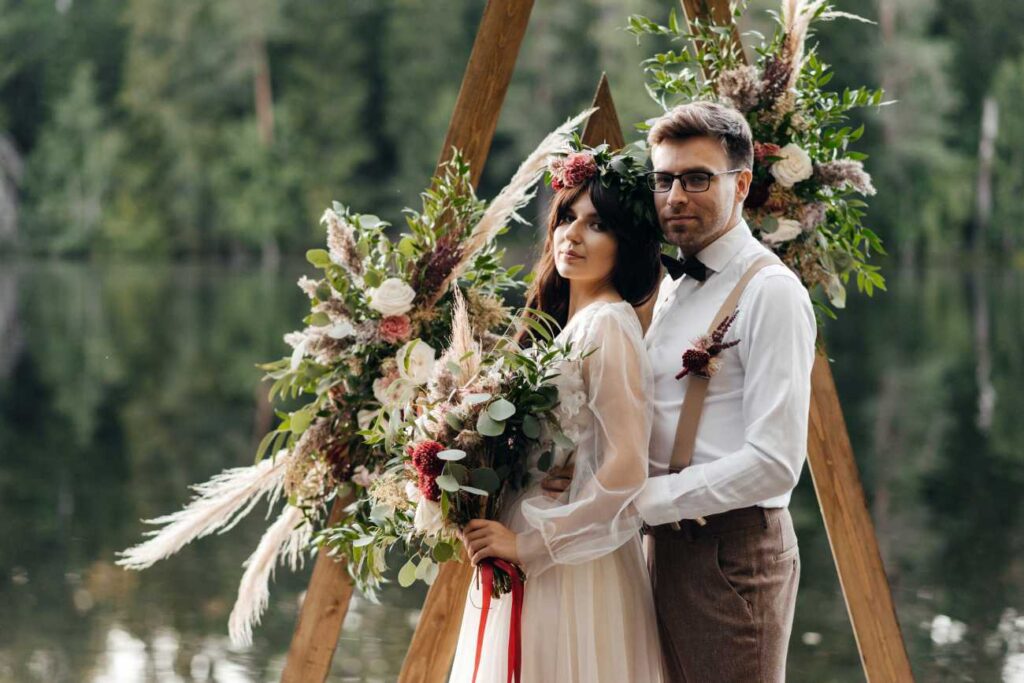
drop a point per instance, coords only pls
(721, 547)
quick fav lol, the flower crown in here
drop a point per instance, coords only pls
(619, 170)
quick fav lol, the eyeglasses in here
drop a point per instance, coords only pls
(694, 181)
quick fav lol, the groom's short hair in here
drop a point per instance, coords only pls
(707, 119)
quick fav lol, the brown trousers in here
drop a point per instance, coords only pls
(725, 595)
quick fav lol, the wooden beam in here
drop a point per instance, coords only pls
(604, 125)
(471, 130)
(485, 82)
(851, 534)
(720, 14)
(321, 615)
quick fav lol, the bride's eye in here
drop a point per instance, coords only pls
(597, 225)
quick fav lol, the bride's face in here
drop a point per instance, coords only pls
(585, 250)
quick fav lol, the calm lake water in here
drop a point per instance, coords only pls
(120, 385)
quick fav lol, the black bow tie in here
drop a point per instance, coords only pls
(691, 266)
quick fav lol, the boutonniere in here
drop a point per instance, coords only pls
(702, 360)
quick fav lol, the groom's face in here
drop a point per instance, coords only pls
(693, 220)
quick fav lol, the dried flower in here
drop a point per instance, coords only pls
(341, 242)
(486, 311)
(780, 199)
(309, 286)
(775, 80)
(812, 215)
(844, 172)
(395, 328)
(740, 87)
(388, 489)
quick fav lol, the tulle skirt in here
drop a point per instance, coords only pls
(586, 623)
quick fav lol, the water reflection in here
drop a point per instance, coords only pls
(121, 385)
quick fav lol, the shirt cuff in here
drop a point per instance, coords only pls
(656, 502)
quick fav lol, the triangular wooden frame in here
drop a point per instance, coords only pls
(830, 454)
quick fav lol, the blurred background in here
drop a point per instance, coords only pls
(162, 169)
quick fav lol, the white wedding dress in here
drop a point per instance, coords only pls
(588, 613)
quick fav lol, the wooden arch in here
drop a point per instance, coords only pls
(830, 455)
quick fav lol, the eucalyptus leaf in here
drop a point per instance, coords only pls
(484, 478)
(460, 472)
(448, 483)
(544, 463)
(443, 551)
(488, 426)
(318, 257)
(501, 410)
(531, 427)
(473, 399)
(423, 568)
(407, 574)
(452, 454)
(475, 491)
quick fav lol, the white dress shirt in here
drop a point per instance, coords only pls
(752, 439)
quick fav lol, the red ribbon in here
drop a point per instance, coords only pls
(515, 649)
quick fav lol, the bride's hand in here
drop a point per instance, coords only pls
(486, 538)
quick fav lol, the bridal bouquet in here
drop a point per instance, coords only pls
(464, 448)
(803, 202)
(380, 306)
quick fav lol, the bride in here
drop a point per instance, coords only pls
(588, 614)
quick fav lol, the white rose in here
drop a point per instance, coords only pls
(428, 520)
(786, 230)
(415, 361)
(794, 166)
(393, 297)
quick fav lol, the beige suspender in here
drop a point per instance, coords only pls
(697, 391)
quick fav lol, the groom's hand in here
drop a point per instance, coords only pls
(558, 480)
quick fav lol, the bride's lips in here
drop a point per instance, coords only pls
(570, 255)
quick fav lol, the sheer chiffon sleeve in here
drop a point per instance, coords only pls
(611, 458)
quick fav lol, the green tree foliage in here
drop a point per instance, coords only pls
(70, 174)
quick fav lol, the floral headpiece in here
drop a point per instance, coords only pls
(620, 170)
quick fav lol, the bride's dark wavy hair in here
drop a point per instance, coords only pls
(636, 271)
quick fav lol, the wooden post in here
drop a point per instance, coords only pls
(321, 615)
(433, 645)
(471, 130)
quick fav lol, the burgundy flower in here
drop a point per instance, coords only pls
(428, 487)
(395, 328)
(424, 458)
(702, 360)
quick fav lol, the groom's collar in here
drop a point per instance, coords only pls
(717, 255)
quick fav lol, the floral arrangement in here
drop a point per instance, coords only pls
(703, 359)
(622, 170)
(463, 449)
(380, 307)
(804, 200)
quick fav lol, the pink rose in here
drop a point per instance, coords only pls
(572, 170)
(578, 167)
(395, 328)
(765, 149)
